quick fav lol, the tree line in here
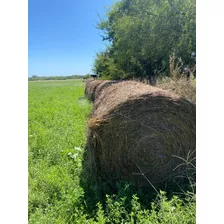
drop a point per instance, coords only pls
(143, 35)
(36, 78)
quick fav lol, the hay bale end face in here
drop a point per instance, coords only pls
(137, 129)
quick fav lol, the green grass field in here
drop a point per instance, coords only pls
(58, 114)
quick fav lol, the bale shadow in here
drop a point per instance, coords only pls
(97, 187)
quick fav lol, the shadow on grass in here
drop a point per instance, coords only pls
(96, 189)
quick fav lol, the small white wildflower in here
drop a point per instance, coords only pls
(78, 148)
(74, 156)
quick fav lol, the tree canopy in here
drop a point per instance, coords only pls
(143, 34)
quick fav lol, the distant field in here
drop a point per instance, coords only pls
(58, 114)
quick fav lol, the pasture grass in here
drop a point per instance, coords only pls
(58, 114)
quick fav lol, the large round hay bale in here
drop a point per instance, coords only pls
(136, 133)
(90, 88)
(106, 83)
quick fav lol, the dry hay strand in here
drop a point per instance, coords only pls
(181, 87)
(102, 86)
(138, 129)
(90, 89)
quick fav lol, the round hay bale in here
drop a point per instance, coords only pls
(137, 132)
(102, 86)
(90, 89)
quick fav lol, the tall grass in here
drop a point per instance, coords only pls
(58, 114)
(182, 87)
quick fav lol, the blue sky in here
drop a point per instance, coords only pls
(62, 37)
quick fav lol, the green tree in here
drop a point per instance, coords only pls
(143, 33)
